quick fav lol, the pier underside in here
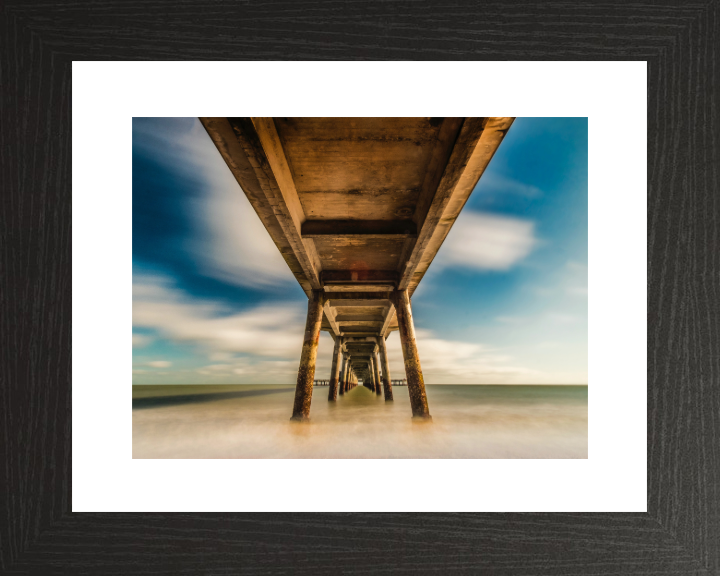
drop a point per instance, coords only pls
(358, 208)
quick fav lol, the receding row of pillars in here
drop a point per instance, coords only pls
(343, 376)
(341, 379)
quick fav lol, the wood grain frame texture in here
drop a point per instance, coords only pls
(680, 533)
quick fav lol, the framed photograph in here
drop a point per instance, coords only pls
(91, 489)
(438, 264)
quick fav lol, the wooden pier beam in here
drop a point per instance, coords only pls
(376, 372)
(335, 370)
(387, 383)
(413, 371)
(306, 371)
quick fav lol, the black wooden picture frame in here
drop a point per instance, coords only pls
(680, 533)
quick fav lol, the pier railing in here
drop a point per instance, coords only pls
(402, 382)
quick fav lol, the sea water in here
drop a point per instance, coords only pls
(214, 421)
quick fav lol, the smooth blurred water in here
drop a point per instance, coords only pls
(212, 421)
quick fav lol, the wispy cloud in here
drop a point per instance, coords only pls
(140, 340)
(270, 330)
(230, 241)
(457, 362)
(487, 242)
(159, 364)
(494, 182)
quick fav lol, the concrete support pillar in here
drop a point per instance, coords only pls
(335, 370)
(376, 373)
(413, 371)
(387, 384)
(306, 372)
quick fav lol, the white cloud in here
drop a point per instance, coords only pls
(159, 364)
(263, 344)
(270, 330)
(456, 362)
(491, 181)
(140, 340)
(487, 242)
(260, 345)
(232, 244)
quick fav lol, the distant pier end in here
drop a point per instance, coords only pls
(358, 208)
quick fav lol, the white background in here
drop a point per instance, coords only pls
(105, 98)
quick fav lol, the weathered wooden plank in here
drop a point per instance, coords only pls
(476, 144)
(340, 319)
(352, 276)
(378, 229)
(229, 145)
(346, 167)
(347, 298)
(388, 317)
(442, 149)
(357, 299)
(265, 128)
(260, 145)
(359, 252)
(358, 288)
(368, 334)
(330, 316)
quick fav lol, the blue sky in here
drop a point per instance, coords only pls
(504, 301)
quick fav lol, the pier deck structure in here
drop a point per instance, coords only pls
(358, 208)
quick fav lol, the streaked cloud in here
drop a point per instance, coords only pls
(457, 362)
(159, 364)
(268, 330)
(230, 242)
(487, 242)
(140, 340)
(492, 182)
